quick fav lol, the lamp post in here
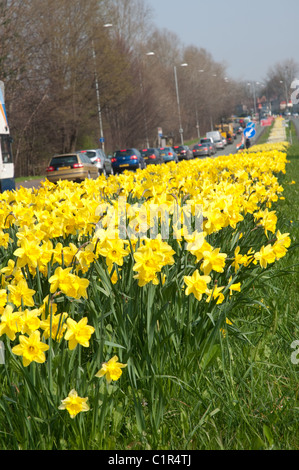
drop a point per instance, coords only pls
(143, 103)
(252, 84)
(102, 140)
(98, 99)
(178, 101)
(143, 109)
(177, 96)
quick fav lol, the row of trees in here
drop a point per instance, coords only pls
(55, 55)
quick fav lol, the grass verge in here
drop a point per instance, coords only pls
(257, 384)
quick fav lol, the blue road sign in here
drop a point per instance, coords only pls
(249, 132)
(102, 139)
(251, 124)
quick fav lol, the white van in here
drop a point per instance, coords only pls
(217, 138)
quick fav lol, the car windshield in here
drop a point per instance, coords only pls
(64, 160)
(90, 153)
(146, 152)
(179, 148)
(123, 153)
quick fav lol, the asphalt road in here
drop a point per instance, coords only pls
(228, 150)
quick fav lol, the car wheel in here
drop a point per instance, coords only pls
(89, 175)
(111, 172)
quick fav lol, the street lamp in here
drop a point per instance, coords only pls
(98, 98)
(102, 140)
(252, 84)
(178, 101)
(177, 95)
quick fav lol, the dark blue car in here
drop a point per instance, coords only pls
(168, 154)
(127, 159)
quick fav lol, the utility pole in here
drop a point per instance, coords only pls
(98, 98)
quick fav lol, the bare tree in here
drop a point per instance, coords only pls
(278, 81)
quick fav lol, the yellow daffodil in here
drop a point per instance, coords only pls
(55, 326)
(30, 321)
(74, 404)
(196, 284)
(31, 349)
(213, 261)
(111, 369)
(78, 333)
(234, 287)
(216, 294)
(60, 278)
(29, 253)
(10, 322)
(265, 256)
(21, 294)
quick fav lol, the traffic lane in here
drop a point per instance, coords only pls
(228, 150)
(232, 148)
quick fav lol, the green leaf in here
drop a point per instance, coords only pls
(268, 434)
(209, 356)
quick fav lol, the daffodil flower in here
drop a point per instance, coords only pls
(111, 369)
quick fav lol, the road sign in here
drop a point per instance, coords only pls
(249, 132)
(250, 124)
(102, 139)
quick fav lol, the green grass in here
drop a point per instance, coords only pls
(27, 178)
(256, 385)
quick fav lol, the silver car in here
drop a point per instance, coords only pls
(219, 144)
(100, 160)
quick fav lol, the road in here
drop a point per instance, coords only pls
(228, 150)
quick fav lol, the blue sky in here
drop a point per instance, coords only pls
(247, 36)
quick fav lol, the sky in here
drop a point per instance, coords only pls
(248, 36)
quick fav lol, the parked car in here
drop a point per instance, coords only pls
(151, 156)
(220, 144)
(200, 150)
(183, 152)
(100, 160)
(71, 166)
(127, 159)
(210, 141)
(168, 154)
